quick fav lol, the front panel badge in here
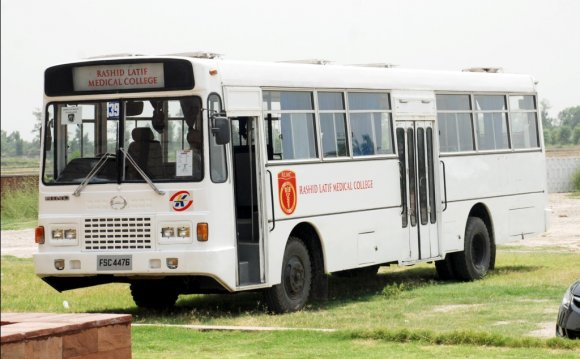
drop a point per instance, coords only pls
(118, 202)
(181, 201)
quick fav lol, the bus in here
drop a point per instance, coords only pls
(191, 173)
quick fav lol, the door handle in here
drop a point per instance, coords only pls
(444, 184)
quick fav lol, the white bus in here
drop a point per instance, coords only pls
(194, 174)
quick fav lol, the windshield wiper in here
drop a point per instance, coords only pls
(141, 172)
(93, 173)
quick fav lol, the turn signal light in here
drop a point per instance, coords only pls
(39, 235)
(202, 232)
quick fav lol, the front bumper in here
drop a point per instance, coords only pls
(568, 322)
(218, 264)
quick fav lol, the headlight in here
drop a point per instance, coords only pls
(167, 232)
(57, 233)
(567, 299)
(70, 234)
(183, 232)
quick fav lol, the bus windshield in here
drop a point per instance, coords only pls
(163, 136)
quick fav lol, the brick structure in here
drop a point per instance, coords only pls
(74, 336)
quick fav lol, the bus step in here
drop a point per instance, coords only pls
(244, 272)
(417, 261)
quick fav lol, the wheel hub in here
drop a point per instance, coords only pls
(294, 276)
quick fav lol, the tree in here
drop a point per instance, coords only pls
(564, 135)
(547, 136)
(547, 121)
(4, 143)
(576, 135)
(570, 116)
(16, 143)
(37, 125)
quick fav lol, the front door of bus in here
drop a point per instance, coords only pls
(246, 181)
(417, 164)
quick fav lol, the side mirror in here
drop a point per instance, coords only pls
(220, 129)
(134, 108)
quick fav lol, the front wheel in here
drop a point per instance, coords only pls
(154, 294)
(294, 290)
(474, 262)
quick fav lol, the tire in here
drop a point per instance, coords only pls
(293, 292)
(445, 268)
(475, 259)
(364, 272)
(154, 294)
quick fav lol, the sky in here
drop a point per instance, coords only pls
(537, 37)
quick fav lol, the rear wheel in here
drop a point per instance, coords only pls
(474, 262)
(294, 290)
(154, 294)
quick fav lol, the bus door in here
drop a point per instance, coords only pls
(415, 147)
(245, 158)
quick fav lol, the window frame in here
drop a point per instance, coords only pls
(320, 158)
(536, 111)
(344, 111)
(507, 111)
(470, 112)
(314, 112)
(119, 137)
(389, 112)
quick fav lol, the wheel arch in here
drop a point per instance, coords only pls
(481, 211)
(308, 233)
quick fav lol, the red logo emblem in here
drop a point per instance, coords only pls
(287, 191)
(180, 201)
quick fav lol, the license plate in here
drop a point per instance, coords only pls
(115, 262)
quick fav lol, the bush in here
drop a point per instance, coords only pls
(20, 207)
(576, 181)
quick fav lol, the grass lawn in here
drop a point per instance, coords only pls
(401, 311)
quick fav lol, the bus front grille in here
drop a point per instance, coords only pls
(117, 233)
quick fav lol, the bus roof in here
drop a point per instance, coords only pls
(336, 76)
(264, 74)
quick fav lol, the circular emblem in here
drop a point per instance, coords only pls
(180, 201)
(118, 202)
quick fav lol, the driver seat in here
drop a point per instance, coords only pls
(146, 151)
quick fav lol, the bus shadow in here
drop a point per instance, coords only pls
(206, 308)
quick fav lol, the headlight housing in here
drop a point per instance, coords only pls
(567, 299)
(175, 232)
(63, 235)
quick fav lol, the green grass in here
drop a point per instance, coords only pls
(402, 311)
(151, 342)
(20, 207)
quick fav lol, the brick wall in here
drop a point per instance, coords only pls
(67, 336)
